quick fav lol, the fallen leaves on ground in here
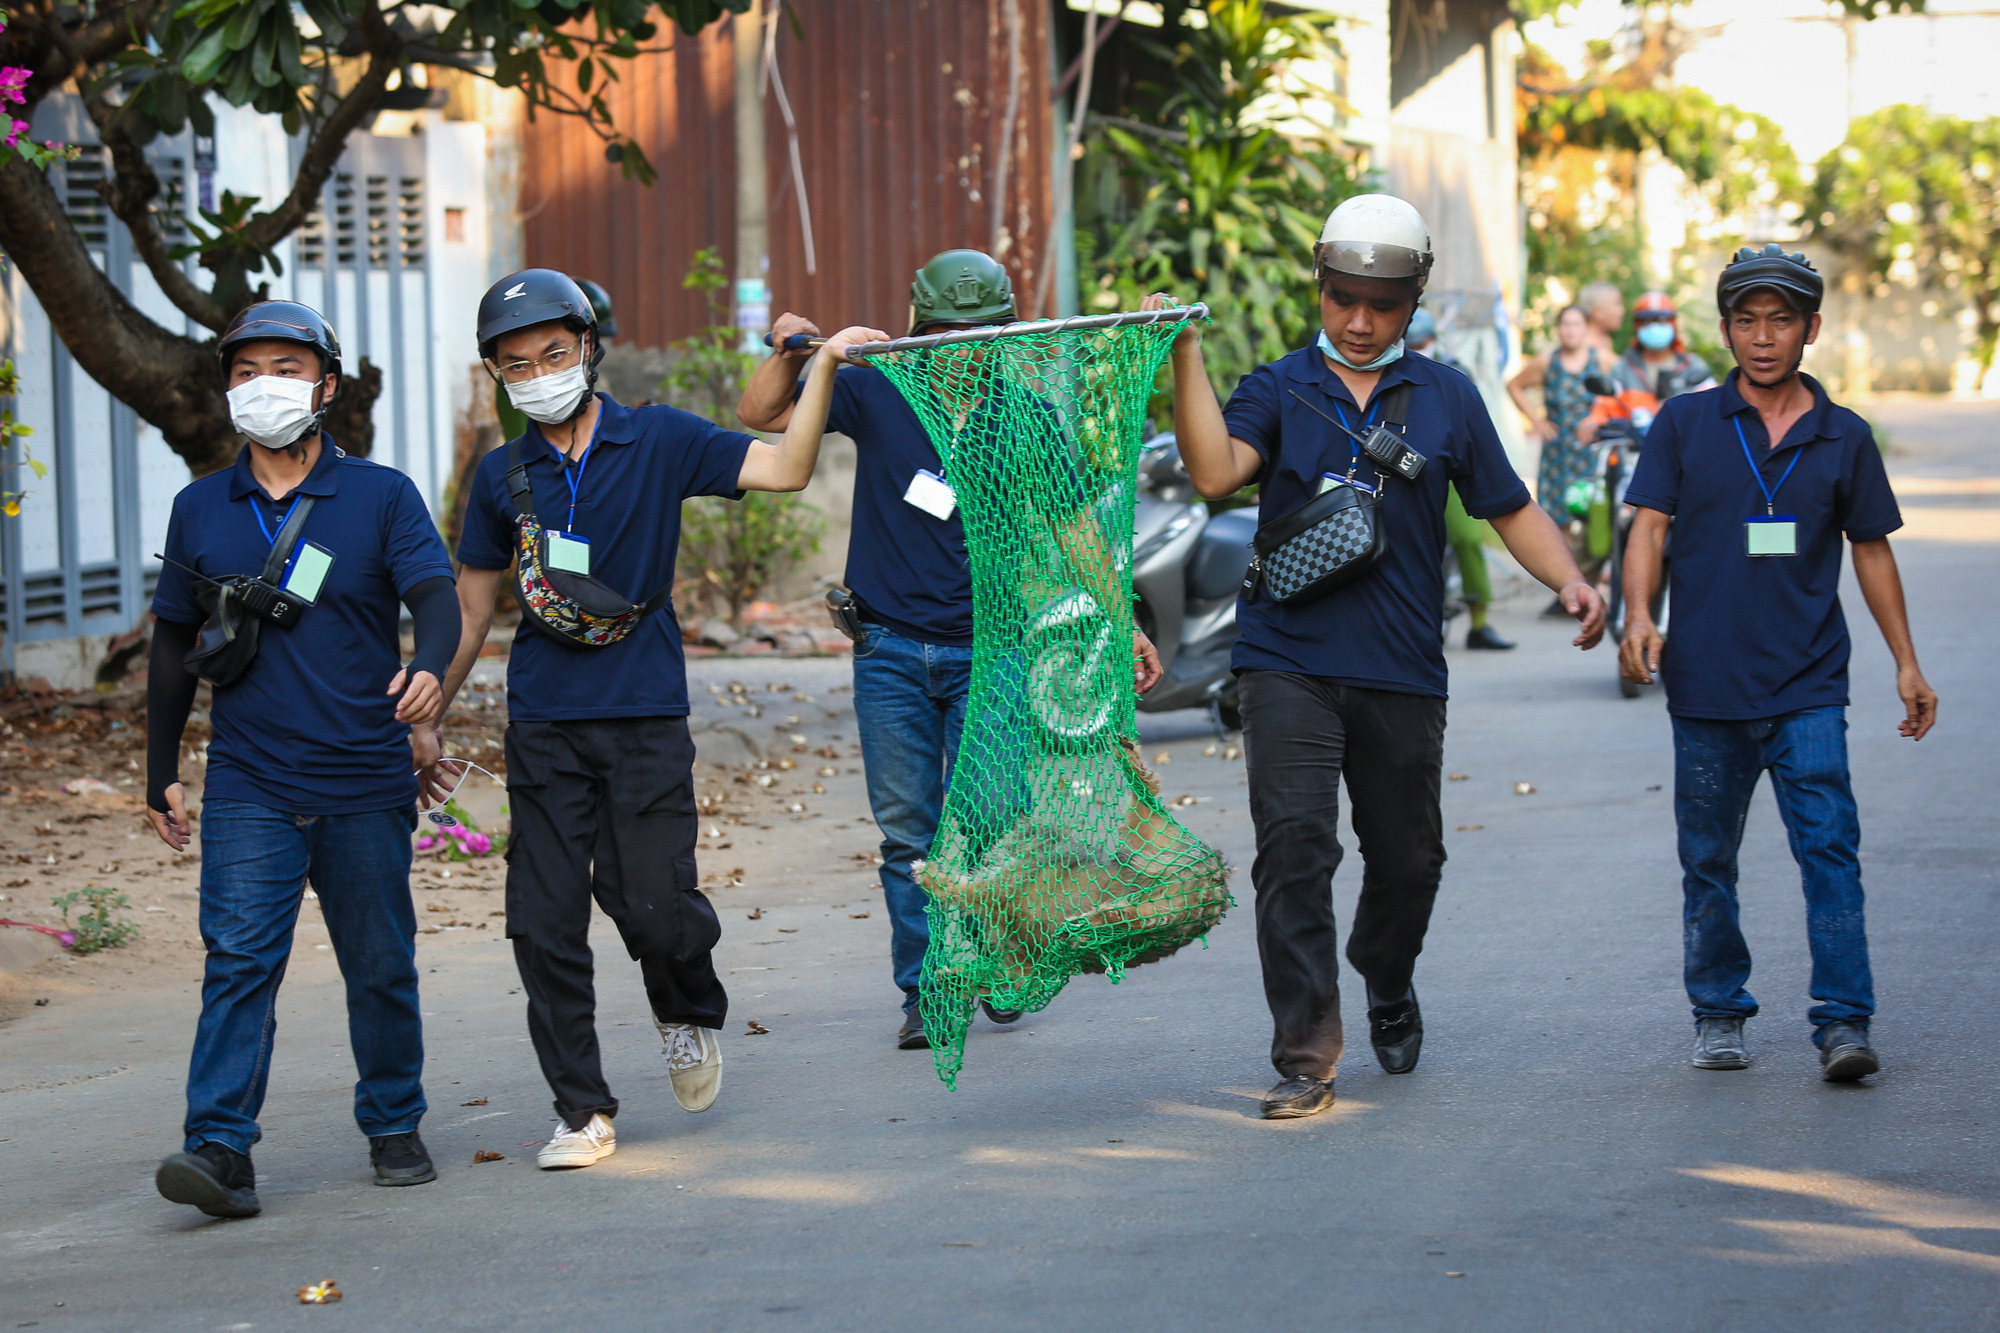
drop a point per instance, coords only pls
(484, 1156)
(756, 1029)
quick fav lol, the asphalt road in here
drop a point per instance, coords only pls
(1553, 1164)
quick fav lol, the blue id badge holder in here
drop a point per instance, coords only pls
(1329, 480)
(568, 552)
(307, 576)
(1771, 534)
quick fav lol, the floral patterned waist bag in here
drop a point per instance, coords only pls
(574, 609)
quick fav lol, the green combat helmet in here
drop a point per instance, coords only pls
(961, 287)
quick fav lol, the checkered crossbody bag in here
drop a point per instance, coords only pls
(1327, 542)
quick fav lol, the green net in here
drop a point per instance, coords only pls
(1055, 855)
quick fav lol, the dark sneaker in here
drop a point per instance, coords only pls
(1485, 636)
(1001, 1016)
(1396, 1031)
(1844, 1053)
(220, 1181)
(400, 1159)
(1297, 1097)
(1718, 1044)
(911, 1036)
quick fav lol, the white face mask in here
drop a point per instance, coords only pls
(272, 410)
(550, 398)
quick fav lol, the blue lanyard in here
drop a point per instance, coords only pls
(257, 510)
(1353, 445)
(1770, 492)
(576, 481)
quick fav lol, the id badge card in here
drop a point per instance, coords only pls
(1775, 534)
(932, 494)
(308, 574)
(1329, 480)
(569, 553)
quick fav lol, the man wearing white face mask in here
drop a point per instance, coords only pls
(296, 559)
(585, 505)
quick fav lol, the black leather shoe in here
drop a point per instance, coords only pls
(1296, 1097)
(220, 1181)
(1844, 1053)
(1397, 1033)
(1001, 1016)
(911, 1037)
(400, 1159)
(1485, 636)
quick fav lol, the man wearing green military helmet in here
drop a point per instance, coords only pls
(910, 580)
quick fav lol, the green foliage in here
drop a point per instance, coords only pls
(1913, 194)
(1222, 207)
(735, 548)
(10, 429)
(322, 67)
(1583, 144)
(95, 926)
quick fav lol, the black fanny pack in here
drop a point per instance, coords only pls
(238, 607)
(574, 609)
(1337, 536)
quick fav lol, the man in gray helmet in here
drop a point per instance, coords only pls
(1760, 479)
(585, 505)
(1352, 683)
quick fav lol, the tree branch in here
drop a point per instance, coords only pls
(329, 141)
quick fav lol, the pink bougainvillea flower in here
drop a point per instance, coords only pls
(479, 844)
(20, 127)
(13, 82)
(425, 842)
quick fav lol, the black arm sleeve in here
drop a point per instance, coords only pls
(170, 688)
(434, 607)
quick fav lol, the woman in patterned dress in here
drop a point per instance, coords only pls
(1560, 372)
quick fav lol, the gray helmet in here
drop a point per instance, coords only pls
(1788, 274)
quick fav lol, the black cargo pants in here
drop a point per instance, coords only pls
(604, 808)
(1301, 735)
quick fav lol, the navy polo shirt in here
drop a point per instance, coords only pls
(1755, 637)
(309, 729)
(642, 463)
(909, 568)
(1382, 630)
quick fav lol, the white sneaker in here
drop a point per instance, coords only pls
(694, 1063)
(578, 1147)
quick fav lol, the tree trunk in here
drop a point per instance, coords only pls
(170, 380)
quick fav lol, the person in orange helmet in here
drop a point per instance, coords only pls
(1658, 361)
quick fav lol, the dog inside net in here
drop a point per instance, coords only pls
(1055, 854)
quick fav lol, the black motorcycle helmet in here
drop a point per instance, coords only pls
(537, 296)
(600, 307)
(287, 321)
(1790, 275)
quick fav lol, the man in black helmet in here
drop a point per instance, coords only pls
(1760, 479)
(586, 505)
(910, 578)
(296, 559)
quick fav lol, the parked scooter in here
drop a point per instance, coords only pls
(1187, 568)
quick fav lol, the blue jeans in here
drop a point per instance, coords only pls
(1716, 767)
(255, 864)
(909, 699)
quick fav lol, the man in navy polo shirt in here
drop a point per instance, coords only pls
(1353, 683)
(908, 571)
(309, 769)
(599, 761)
(1760, 479)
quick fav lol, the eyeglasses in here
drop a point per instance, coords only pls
(560, 359)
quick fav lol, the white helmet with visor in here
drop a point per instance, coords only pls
(1374, 236)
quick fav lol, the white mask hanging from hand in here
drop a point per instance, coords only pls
(550, 399)
(273, 410)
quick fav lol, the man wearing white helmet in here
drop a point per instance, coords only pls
(1343, 670)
